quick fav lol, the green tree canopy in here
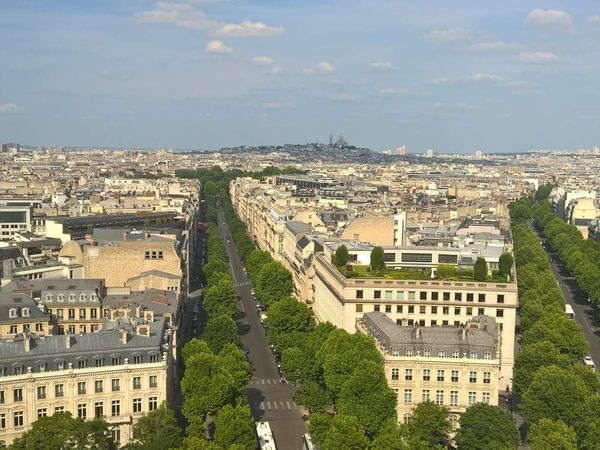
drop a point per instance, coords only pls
(366, 395)
(313, 396)
(219, 331)
(221, 298)
(377, 259)
(341, 432)
(505, 263)
(255, 262)
(394, 437)
(61, 431)
(235, 426)
(548, 434)
(429, 422)
(485, 427)
(274, 283)
(531, 358)
(480, 269)
(341, 256)
(156, 431)
(286, 316)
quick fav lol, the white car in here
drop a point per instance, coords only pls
(589, 362)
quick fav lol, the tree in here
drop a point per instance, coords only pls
(255, 262)
(445, 271)
(485, 427)
(274, 283)
(339, 432)
(395, 437)
(287, 316)
(480, 269)
(61, 431)
(531, 358)
(429, 422)
(219, 331)
(555, 393)
(235, 426)
(548, 434)
(156, 431)
(377, 259)
(505, 263)
(366, 395)
(341, 256)
(565, 334)
(592, 436)
(220, 299)
(313, 397)
(237, 366)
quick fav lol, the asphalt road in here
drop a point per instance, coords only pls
(270, 399)
(584, 312)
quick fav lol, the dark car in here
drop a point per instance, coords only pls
(245, 349)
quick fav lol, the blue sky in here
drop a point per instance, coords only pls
(449, 75)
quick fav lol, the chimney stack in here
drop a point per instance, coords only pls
(68, 341)
(27, 341)
(123, 335)
(463, 332)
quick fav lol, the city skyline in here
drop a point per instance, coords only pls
(211, 74)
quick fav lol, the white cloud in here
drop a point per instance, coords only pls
(538, 57)
(448, 36)
(184, 15)
(595, 20)
(320, 68)
(495, 46)
(262, 61)
(277, 70)
(218, 47)
(392, 91)
(550, 18)
(517, 86)
(382, 65)
(249, 29)
(9, 108)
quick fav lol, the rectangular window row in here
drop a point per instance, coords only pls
(440, 397)
(486, 376)
(427, 295)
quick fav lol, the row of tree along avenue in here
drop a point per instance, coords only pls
(340, 375)
(558, 393)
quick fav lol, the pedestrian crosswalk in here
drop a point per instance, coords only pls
(242, 283)
(256, 381)
(272, 405)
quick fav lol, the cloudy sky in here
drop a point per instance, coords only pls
(450, 75)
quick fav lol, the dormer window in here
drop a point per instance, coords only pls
(60, 297)
(93, 297)
(71, 297)
(25, 312)
(12, 313)
(82, 297)
(49, 298)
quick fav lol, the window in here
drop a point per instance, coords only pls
(469, 311)
(408, 352)
(18, 395)
(457, 311)
(426, 374)
(59, 297)
(434, 310)
(406, 418)
(39, 327)
(82, 297)
(137, 405)
(137, 382)
(116, 408)
(25, 312)
(137, 359)
(18, 419)
(472, 377)
(500, 298)
(59, 409)
(485, 397)
(395, 374)
(487, 355)
(440, 375)
(423, 295)
(377, 294)
(473, 355)
(115, 433)
(12, 313)
(71, 297)
(389, 295)
(422, 309)
(93, 297)
(2, 421)
(359, 307)
(481, 298)
(398, 308)
(13, 329)
(472, 398)
(98, 409)
(454, 376)
(455, 354)
(395, 392)
(388, 308)
(487, 377)
(60, 313)
(499, 313)
(116, 385)
(41, 392)
(412, 295)
(82, 313)
(42, 412)
(446, 296)
(376, 307)
(417, 257)
(359, 293)
(441, 353)
(152, 403)
(435, 296)
(399, 295)
(71, 313)
(407, 395)
(445, 310)
(82, 411)
(93, 313)
(1, 397)
(458, 296)
(395, 352)
(439, 397)
(153, 381)
(453, 398)
(411, 309)
(469, 296)
(98, 386)
(81, 388)
(408, 374)
(481, 311)
(425, 395)
(99, 362)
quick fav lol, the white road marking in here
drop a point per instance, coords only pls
(275, 405)
(288, 404)
(268, 405)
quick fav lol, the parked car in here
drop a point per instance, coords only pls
(245, 349)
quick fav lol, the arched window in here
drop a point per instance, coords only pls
(60, 297)
(49, 297)
(82, 297)
(25, 312)
(93, 297)
(71, 297)
(406, 418)
(12, 313)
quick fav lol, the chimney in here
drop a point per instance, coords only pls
(68, 341)
(27, 341)
(417, 331)
(125, 235)
(123, 335)
(463, 332)
(143, 330)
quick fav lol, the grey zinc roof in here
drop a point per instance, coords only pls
(480, 335)
(297, 226)
(161, 302)
(10, 300)
(104, 344)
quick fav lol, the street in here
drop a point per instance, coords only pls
(584, 311)
(270, 399)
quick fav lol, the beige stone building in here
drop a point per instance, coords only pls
(119, 375)
(452, 366)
